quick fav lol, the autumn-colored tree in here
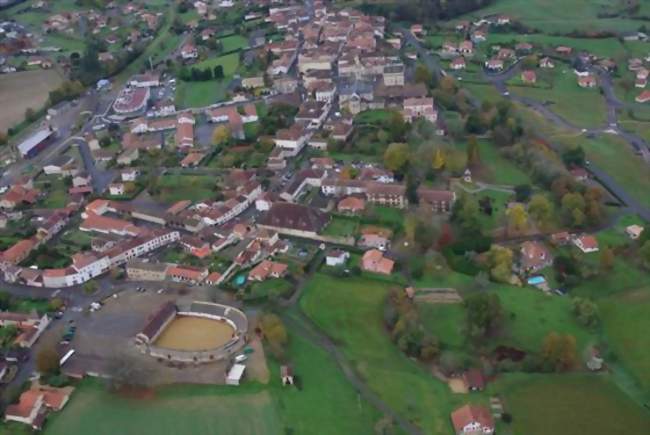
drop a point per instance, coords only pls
(607, 259)
(500, 263)
(221, 135)
(559, 352)
(517, 217)
(274, 333)
(438, 159)
(446, 237)
(396, 156)
(47, 361)
(541, 210)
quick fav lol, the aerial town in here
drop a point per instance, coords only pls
(324, 216)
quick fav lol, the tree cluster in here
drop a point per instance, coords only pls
(406, 330)
(484, 315)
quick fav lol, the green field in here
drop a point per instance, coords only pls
(350, 311)
(341, 227)
(325, 404)
(572, 405)
(617, 159)
(559, 15)
(624, 316)
(567, 99)
(199, 94)
(233, 42)
(176, 410)
(193, 187)
(497, 169)
(229, 62)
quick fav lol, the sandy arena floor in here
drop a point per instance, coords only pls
(194, 333)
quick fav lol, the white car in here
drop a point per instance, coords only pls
(240, 358)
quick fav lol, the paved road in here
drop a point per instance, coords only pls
(499, 82)
(101, 178)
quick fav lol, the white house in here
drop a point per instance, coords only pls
(337, 258)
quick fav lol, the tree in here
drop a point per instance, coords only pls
(606, 259)
(574, 157)
(396, 126)
(473, 153)
(483, 315)
(90, 287)
(218, 72)
(523, 192)
(586, 311)
(3, 138)
(466, 213)
(274, 333)
(422, 74)
(220, 135)
(517, 217)
(644, 254)
(559, 352)
(499, 259)
(47, 361)
(439, 160)
(396, 156)
(540, 210)
(30, 115)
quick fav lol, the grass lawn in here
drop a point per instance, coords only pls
(197, 94)
(616, 236)
(233, 42)
(341, 227)
(178, 187)
(568, 100)
(624, 316)
(229, 62)
(445, 321)
(495, 168)
(482, 91)
(175, 410)
(271, 288)
(571, 405)
(350, 310)
(375, 116)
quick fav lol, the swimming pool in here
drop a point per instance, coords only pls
(239, 279)
(536, 280)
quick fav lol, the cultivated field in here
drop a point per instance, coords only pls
(24, 90)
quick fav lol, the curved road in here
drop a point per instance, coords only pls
(498, 80)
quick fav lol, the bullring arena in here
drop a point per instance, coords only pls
(200, 332)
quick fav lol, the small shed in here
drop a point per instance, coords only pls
(235, 374)
(286, 374)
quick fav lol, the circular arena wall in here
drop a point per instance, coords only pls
(224, 347)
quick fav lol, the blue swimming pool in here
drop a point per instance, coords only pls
(536, 280)
(239, 279)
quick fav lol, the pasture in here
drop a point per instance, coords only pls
(624, 315)
(351, 312)
(572, 404)
(190, 410)
(561, 16)
(25, 90)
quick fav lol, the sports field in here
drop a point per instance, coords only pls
(194, 333)
(22, 91)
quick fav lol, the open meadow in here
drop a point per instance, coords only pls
(561, 16)
(25, 90)
(571, 405)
